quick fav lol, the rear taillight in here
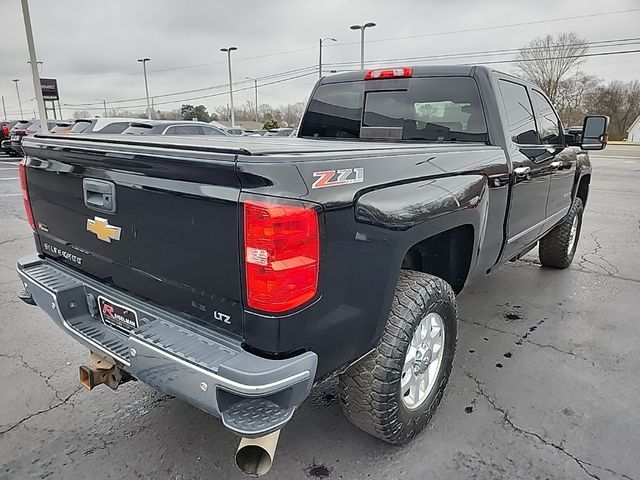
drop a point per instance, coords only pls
(282, 255)
(25, 194)
(5, 130)
(401, 72)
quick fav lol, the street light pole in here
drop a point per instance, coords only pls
(4, 109)
(146, 83)
(228, 51)
(34, 68)
(16, 80)
(320, 55)
(362, 28)
(104, 104)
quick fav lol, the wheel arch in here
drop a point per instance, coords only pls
(447, 255)
(582, 188)
(438, 224)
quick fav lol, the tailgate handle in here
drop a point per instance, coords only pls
(99, 195)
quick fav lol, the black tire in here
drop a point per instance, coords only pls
(557, 248)
(370, 393)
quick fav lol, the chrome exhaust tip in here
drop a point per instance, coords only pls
(254, 456)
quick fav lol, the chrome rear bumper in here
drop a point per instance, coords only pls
(252, 395)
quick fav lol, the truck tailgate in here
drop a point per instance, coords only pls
(160, 223)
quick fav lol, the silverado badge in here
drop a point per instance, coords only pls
(102, 229)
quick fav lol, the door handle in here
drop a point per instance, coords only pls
(99, 195)
(557, 164)
(522, 173)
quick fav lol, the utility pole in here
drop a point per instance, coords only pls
(320, 55)
(255, 87)
(228, 51)
(146, 84)
(362, 28)
(16, 80)
(34, 67)
(4, 108)
(104, 104)
(255, 84)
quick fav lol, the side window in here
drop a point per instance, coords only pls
(548, 122)
(211, 131)
(519, 113)
(183, 130)
(335, 111)
(115, 127)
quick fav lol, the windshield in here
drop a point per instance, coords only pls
(435, 109)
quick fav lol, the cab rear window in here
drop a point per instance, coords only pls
(426, 109)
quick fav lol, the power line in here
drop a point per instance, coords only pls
(593, 44)
(600, 54)
(488, 62)
(493, 27)
(517, 60)
(210, 95)
(313, 68)
(605, 43)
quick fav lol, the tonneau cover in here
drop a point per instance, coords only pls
(233, 145)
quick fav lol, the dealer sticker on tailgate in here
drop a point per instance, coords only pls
(116, 315)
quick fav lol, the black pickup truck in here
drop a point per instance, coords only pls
(234, 273)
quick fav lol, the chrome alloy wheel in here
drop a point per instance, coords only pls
(422, 361)
(573, 235)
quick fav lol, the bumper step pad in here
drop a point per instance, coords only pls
(256, 415)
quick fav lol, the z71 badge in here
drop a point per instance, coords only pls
(334, 178)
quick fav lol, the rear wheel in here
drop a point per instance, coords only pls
(393, 392)
(558, 247)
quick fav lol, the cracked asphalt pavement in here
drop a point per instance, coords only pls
(545, 385)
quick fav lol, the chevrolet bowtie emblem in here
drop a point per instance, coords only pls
(102, 229)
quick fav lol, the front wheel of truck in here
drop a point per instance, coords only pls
(394, 390)
(558, 247)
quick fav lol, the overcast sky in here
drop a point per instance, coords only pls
(91, 47)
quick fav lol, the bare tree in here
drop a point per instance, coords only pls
(572, 95)
(81, 114)
(292, 113)
(223, 112)
(620, 101)
(547, 61)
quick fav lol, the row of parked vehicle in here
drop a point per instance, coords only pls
(11, 133)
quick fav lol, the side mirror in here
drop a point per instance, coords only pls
(595, 132)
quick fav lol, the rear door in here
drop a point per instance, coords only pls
(159, 223)
(563, 158)
(531, 170)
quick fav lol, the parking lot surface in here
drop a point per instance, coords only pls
(546, 382)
